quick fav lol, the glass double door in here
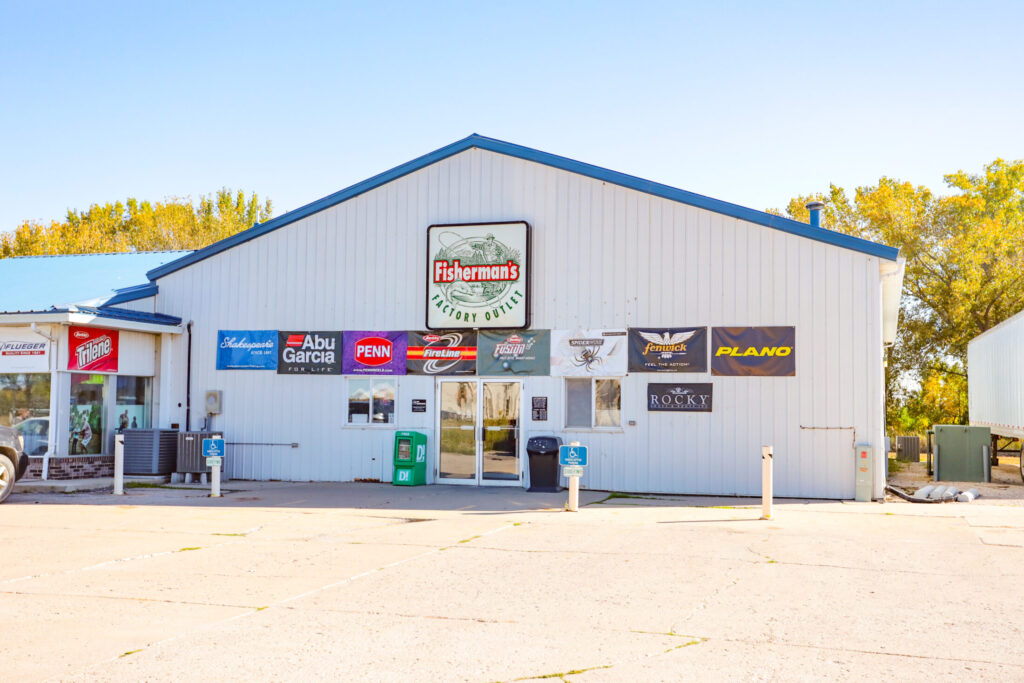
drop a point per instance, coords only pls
(479, 432)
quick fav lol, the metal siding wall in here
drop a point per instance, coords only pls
(603, 256)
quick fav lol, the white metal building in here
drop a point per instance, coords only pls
(606, 253)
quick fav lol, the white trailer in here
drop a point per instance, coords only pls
(995, 382)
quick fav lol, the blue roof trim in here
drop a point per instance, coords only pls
(132, 294)
(123, 314)
(528, 154)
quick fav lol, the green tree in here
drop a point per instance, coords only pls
(141, 226)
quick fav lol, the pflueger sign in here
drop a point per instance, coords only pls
(246, 349)
(682, 398)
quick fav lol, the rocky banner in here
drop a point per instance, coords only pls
(478, 276)
(753, 351)
(671, 349)
(680, 398)
(441, 353)
(514, 353)
(309, 353)
(374, 353)
(592, 353)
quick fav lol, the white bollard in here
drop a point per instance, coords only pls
(574, 494)
(215, 481)
(766, 482)
(119, 464)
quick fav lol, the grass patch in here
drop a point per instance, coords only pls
(471, 538)
(183, 550)
(244, 533)
(895, 466)
(613, 496)
(130, 652)
(150, 485)
(563, 674)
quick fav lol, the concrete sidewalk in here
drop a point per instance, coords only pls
(370, 582)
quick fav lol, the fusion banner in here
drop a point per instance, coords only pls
(309, 353)
(441, 353)
(681, 398)
(673, 349)
(247, 349)
(589, 353)
(753, 351)
(92, 349)
(374, 353)
(514, 353)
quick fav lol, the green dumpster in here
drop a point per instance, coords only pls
(410, 460)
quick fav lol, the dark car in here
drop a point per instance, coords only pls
(13, 461)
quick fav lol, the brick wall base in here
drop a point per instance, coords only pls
(77, 467)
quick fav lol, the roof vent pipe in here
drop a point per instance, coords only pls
(815, 209)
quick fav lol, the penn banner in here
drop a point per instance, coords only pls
(672, 349)
(247, 349)
(514, 353)
(92, 349)
(753, 351)
(478, 276)
(589, 353)
(441, 353)
(679, 398)
(309, 353)
(374, 353)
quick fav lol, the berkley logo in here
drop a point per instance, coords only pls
(735, 352)
(512, 346)
(93, 350)
(431, 338)
(80, 334)
(374, 351)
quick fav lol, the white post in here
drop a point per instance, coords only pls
(119, 464)
(766, 482)
(215, 481)
(574, 494)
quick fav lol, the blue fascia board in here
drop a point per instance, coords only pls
(132, 294)
(528, 154)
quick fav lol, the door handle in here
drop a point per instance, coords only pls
(483, 437)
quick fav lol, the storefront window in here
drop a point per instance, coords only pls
(86, 415)
(133, 403)
(593, 402)
(371, 401)
(25, 405)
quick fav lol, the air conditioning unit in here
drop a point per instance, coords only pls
(150, 451)
(190, 452)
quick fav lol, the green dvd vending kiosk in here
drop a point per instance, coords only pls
(410, 459)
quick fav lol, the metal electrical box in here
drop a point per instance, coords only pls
(960, 453)
(410, 460)
(865, 473)
(214, 402)
(190, 452)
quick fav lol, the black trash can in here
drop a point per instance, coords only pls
(543, 454)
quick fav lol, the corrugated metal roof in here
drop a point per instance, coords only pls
(555, 161)
(32, 283)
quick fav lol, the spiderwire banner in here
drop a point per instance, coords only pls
(589, 353)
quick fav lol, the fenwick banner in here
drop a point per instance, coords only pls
(514, 353)
(437, 353)
(374, 353)
(478, 276)
(672, 349)
(753, 351)
(309, 353)
(681, 398)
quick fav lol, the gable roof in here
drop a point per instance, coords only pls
(33, 283)
(518, 151)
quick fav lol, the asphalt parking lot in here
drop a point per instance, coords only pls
(284, 581)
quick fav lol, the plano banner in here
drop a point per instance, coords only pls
(373, 353)
(753, 351)
(92, 349)
(589, 353)
(672, 349)
(514, 353)
(478, 276)
(680, 398)
(23, 352)
(309, 353)
(441, 353)
(246, 349)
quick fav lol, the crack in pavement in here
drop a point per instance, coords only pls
(91, 596)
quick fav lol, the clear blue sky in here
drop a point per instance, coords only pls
(748, 102)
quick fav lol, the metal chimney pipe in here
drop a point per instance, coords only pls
(815, 209)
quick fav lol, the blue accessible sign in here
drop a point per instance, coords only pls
(572, 455)
(213, 448)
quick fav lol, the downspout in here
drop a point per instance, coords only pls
(54, 402)
(188, 380)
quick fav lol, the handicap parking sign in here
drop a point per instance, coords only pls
(572, 455)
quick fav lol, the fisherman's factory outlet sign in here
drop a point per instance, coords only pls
(478, 276)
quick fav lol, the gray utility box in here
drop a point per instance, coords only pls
(190, 452)
(908, 448)
(150, 451)
(960, 453)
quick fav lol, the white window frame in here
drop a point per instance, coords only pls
(593, 405)
(369, 424)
